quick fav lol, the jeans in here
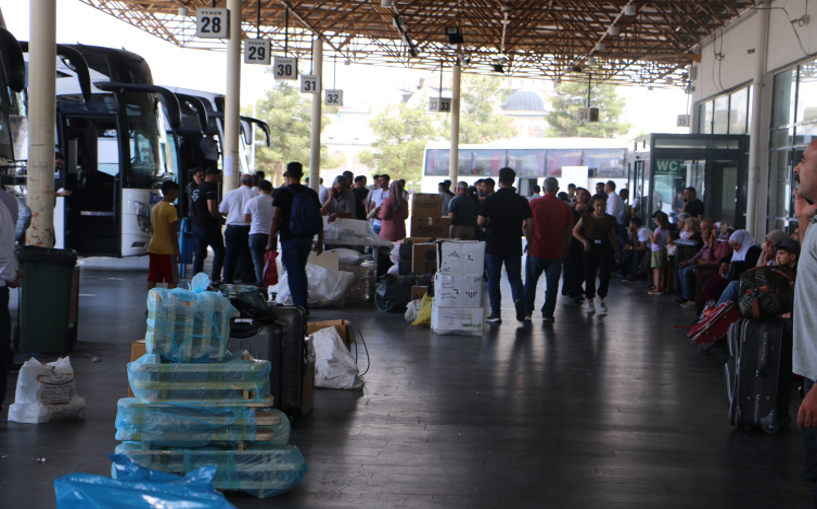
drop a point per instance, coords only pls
(687, 276)
(6, 355)
(202, 237)
(237, 239)
(258, 250)
(599, 260)
(513, 265)
(810, 450)
(731, 293)
(294, 254)
(553, 272)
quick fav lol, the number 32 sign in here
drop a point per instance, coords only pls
(333, 98)
(213, 23)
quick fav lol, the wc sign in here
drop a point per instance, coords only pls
(671, 167)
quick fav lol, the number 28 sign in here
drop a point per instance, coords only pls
(213, 23)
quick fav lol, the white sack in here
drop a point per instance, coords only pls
(326, 287)
(348, 256)
(335, 368)
(46, 392)
(413, 310)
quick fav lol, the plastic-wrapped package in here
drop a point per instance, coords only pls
(189, 325)
(249, 295)
(262, 470)
(179, 424)
(136, 487)
(46, 392)
(235, 379)
(327, 288)
(351, 232)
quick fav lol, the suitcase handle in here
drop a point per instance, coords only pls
(243, 328)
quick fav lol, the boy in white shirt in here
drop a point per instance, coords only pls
(258, 212)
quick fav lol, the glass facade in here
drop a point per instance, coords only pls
(529, 163)
(726, 114)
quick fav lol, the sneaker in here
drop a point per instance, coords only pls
(528, 318)
(655, 291)
(591, 308)
(601, 306)
(548, 319)
(680, 300)
(690, 304)
(578, 299)
(494, 319)
(520, 310)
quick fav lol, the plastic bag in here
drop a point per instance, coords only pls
(394, 293)
(394, 254)
(249, 301)
(335, 368)
(424, 316)
(154, 381)
(348, 256)
(352, 232)
(136, 487)
(46, 392)
(262, 470)
(189, 325)
(176, 424)
(327, 288)
(413, 310)
(269, 275)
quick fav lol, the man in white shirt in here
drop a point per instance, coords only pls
(258, 212)
(237, 234)
(8, 279)
(615, 205)
(376, 199)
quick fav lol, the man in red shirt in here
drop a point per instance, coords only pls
(552, 227)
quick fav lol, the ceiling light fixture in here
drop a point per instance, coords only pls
(630, 10)
(386, 3)
(614, 30)
(183, 11)
(600, 46)
(591, 60)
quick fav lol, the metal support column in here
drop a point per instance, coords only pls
(232, 101)
(317, 100)
(42, 112)
(454, 153)
(755, 141)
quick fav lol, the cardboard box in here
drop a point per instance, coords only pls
(423, 258)
(417, 292)
(426, 205)
(461, 257)
(436, 227)
(137, 350)
(457, 290)
(457, 321)
(419, 240)
(342, 326)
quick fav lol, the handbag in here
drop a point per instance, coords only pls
(766, 292)
(269, 276)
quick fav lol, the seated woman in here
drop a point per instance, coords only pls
(785, 256)
(744, 256)
(769, 248)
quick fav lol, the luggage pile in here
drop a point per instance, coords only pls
(196, 404)
(458, 289)
(427, 216)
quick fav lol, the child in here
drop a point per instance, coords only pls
(164, 243)
(787, 254)
(659, 253)
(671, 247)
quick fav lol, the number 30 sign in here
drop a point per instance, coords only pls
(285, 68)
(213, 23)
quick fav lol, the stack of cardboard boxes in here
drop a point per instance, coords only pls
(458, 289)
(426, 216)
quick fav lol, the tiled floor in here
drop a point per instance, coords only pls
(589, 412)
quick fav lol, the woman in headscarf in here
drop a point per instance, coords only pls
(769, 248)
(393, 214)
(743, 256)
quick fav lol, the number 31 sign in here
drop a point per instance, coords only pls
(213, 23)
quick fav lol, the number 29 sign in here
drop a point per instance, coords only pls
(256, 51)
(213, 23)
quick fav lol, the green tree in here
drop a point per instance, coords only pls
(480, 119)
(402, 133)
(563, 119)
(289, 117)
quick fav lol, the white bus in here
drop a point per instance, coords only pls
(580, 161)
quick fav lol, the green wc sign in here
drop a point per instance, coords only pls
(670, 167)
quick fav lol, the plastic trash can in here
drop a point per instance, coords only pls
(48, 300)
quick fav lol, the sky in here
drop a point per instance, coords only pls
(647, 111)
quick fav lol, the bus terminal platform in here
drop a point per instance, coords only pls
(619, 411)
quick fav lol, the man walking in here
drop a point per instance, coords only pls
(502, 215)
(297, 215)
(237, 234)
(207, 223)
(258, 212)
(552, 228)
(462, 214)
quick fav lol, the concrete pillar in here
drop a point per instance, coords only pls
(42, 111)
(755, 204)
(315, 137)
(232, 101)
(454, 153)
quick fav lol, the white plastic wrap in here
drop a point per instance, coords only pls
(335, 368)
(46, 392)
(327, 288)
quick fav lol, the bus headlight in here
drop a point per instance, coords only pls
(143, 216)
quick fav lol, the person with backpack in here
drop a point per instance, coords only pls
(297, 215)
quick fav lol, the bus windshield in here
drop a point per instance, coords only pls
(13, 125)
(143, 140)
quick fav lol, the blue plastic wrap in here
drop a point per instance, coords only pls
(262, 470)
(189, 325)
(178, 424)
(235, 379)
(137, 487)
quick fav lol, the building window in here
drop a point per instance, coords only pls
(726, 114)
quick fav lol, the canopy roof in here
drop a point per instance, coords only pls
(533, 38)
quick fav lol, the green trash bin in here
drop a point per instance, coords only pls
(49, 293)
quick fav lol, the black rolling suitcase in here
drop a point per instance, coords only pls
(758, 373)
(280, 341)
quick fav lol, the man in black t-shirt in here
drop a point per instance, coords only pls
(694, 207)
(207, 221)
(294, 248)
(360, 197)
(503, 215)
